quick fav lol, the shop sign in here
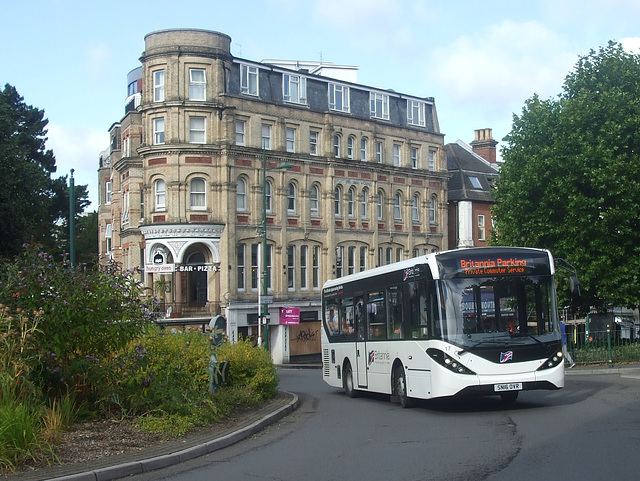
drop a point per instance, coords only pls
(289, 315)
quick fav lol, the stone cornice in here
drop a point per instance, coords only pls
(173, 231)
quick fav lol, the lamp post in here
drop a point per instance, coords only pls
(263, 310)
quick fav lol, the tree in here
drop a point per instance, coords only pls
(31, 201)
(569, 182)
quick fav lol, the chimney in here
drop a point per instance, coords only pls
(484, 145)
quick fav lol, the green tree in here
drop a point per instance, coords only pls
(569, 182)
(32, 202)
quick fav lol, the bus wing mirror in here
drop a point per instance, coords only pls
(575, 286)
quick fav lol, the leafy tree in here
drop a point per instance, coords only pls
(32, 202)
(569, 181)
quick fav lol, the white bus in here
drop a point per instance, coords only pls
(474, 321)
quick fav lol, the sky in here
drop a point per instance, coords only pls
(480, 60)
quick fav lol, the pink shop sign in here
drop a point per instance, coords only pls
(289, 315)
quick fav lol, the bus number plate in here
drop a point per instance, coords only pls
(510, 386)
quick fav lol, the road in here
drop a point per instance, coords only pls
(590, 430)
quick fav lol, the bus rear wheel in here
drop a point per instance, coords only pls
(347, 381)
(400, 388)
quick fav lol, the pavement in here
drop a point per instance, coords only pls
(189, 447)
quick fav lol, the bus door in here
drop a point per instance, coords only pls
(361, 345)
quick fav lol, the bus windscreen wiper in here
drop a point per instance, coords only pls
(486, 341)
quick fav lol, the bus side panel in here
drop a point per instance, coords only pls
(334, 357)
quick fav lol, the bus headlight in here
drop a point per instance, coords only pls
(553, 361)
(447, 361)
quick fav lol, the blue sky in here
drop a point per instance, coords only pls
(480, 59)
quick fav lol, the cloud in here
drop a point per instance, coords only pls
(631, 44)
(78, 148)
(99, 59)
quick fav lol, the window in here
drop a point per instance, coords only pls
(364, 201)
(414, 157)
(337, 207)
(351, 201)
(159, 189)
(351, 260)
(396, 155)
(266, 136)
(248, 79)
(197, 84)
(313, 142)
(314, 201)
(336, 146)
(240, 267)
(432, 160)
(315, 267)
(197, 130)
(481, 231)
(339, 260)
(141, 204)
(380, 205)
(379, 152)
(241, 132)
(241, 195)
(107, 236)
(294, 89)
(158, 86)
(303, 267)
(475, 182)
(291, 267)
(291, 139)
(338, 97)
(158, 131)
(126, 195)
(397, 207)
(415, 208)
(363, 149)
(388, 255)
(432, 210)
(107, 192)
(197, 194)
(363, 259)
(350, 142)
(291, 198)
(254, 266)
(379, 105)
(268, 196)
(415, 113)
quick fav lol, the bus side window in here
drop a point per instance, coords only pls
(420, 314)
(395, 315)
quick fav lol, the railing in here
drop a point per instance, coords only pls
(604, 347)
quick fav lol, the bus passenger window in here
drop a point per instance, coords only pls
(394, 303)
(376, 315)
(331, 319)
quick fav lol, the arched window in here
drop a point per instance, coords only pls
(268, 198)
(291, 198)
(380, 205)
(314, 200)
(397, 206)
(337, 209)
(159, 189)
(241, 195)
(350, 142)
(363, 149)
(364, 201)
(336, 146)
(197, 194)
(432, 210)
(415, 208)
(351, 202)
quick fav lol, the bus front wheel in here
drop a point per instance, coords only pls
(400, 388)
(347, 381)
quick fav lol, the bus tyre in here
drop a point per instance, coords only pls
(509, 397)
(400, 388)
(347, 381)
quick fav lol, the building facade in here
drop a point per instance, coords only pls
(474, 170)
(213, 148)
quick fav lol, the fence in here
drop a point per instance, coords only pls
(603, 347)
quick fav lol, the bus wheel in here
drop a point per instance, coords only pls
(347, 381)
(400, 388)
(509, 396)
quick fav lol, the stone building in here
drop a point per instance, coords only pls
(348, 176)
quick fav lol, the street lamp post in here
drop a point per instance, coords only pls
(263, 310)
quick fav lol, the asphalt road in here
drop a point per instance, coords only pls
(590, 430)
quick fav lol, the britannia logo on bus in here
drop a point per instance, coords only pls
(379, 356)
(506, 356)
